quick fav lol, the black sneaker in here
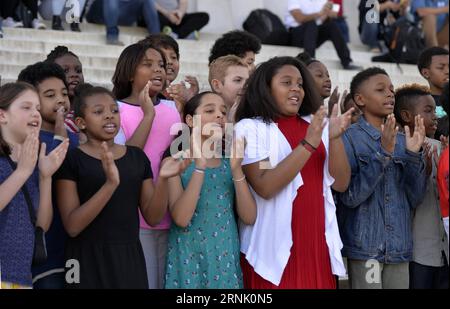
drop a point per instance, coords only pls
(75, 27)
(57, 24)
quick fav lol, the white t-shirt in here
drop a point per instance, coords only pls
(306, 6)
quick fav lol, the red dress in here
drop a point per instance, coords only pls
(309, 264)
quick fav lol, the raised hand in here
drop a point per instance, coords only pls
(179, 94)
(27, 153)
(195, 87)
(389, 132)
(338, 124)
(60, 128)
(49, 164)
(109, 166)
(334, 99)
(414, 142)
(175, 165)
(197, 151)
(237, 153)
(146, 102)
(315, 129)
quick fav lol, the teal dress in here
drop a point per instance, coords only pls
(205, 255)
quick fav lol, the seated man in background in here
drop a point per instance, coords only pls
(56, 10)
(122, 12)
(176, 22)
(311, 23)
(434, 17)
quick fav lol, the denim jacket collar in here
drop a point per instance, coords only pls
(368, 128)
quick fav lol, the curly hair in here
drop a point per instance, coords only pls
(36, 73)
(404, 99)
(236, 43)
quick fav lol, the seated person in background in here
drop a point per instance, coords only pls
(11, 20)
(122, 12)
(238, 43)
(434, 17)
(313, 23)
(174, 20)
(57, 11)
(387, 12)
(341, 21)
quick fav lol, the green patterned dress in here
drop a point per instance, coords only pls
(205, 255)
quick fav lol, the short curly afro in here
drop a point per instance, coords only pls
(236, 43)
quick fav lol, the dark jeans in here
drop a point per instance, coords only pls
(51, 282)
(189, 24)
(342, 24)
(310, 36)
(124, 13)
(428, 277)
(8, 8)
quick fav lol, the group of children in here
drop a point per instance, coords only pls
(300, 188)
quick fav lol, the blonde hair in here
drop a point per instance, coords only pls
(218, 68)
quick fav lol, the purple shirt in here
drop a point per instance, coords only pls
(16, 231)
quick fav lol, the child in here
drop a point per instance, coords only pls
(239, 43)
(428, 269)
(227, 77)
(74, 76)
(146, 122)
(348, 104)
(100, 187)
(177, 92)
(387, 183)
(25, 182)
(292, 161)
(203, 250)
(433, 66)
(49, 80)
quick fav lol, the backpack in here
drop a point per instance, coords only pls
(267, 27)
(405, 41)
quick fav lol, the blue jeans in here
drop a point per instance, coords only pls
(342, 25)
(369, 35)
(123, 12)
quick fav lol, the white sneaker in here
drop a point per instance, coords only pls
(11, 23)
(37, 24)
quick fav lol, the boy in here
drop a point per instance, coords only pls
(433, 66)
(428, 269)
(227, 77)
(238, 43)
(50, 82)
(388, 177)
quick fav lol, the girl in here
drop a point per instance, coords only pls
(99, 189)
(74, 76)
(322, 80)
(291, 167)
(23, 185)
(203, 250)
(146, 122)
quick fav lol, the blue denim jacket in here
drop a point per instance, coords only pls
(375, 212)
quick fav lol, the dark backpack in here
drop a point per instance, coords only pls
(267, 27)
(405, 41)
